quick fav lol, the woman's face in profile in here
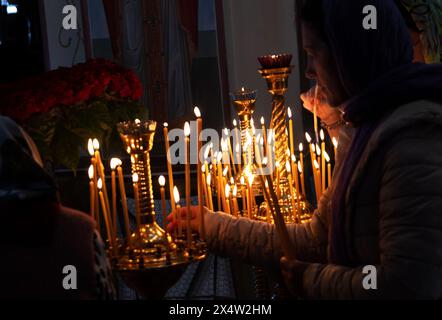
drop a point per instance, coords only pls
(321, 67)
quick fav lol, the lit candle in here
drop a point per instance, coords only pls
(199, 173)
(135, 180)
(329, 175)
(169, 164)
(301, 157)
(312, 156)
(292, 193)
(230, 150)
(317, 172)
(243, 194)
(187, 171)
(91, 191)
(323, 169)
(227, 192)
(335, 145)
(235, 200)
(250, 178)
(123, 199)
(113, 165)
(162, 183)
(209, 191)
(221, 197)
(295, 175)
(176, 196)
(100, 170)
(106, 215)
(94, 164)
(292, 141)
(264, 132)
(223, 187)
(301, 174)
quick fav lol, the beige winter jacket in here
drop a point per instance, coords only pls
(393, 218)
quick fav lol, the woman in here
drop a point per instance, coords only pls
(39, 237)
(385, 207)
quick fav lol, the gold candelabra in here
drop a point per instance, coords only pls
(276, 70)
(151, 261)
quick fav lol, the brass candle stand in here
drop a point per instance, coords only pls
(150, 260)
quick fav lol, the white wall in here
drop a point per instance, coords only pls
(58, 55)
(255, 28)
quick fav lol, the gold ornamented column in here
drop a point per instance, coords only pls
(276, 70)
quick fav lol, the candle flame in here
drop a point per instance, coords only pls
(288, 168)
(299, 167)
(91, 172)
(263, 121)
(293, 158)
(226, 131)
(326, 156)
(219, 156)
(318, 150)
(227, 190)
(287, 152)
(137, 121)
(313, 148)
(114, 163)
(321, 134)
(235, 123)
(243, 89)
(209, 179)
(301, 147)
(162, 181)
(225, 171)
(237, 148)
(316, 165)
(166, 125)
(264, 161)
(135, 178)
(242, 180)
(335, 142)
(176, 195)
(203, 168)
(289, 112)
(235, 190)
(232, 181)
(308, 137)
(197, 112)
(100, 184)
(223, 145)
(250, 178)
(96, 144)
(187, 129)
(90, 147)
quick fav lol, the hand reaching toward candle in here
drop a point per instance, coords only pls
(174, 221)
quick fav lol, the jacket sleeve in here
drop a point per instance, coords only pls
(257, 243)
(410, 231)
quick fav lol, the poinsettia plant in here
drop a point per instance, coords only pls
(62, 109)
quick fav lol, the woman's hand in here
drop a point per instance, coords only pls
(324, 111)
(292, 272)
(174, 219)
